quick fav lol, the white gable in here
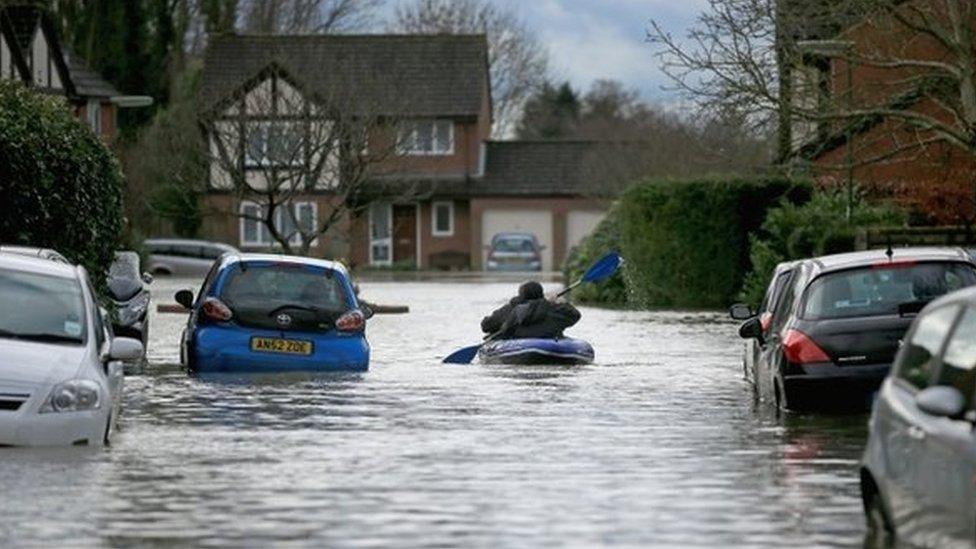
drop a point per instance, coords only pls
(40, 60)
(5, 62)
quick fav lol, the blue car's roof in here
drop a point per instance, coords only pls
(232, 258)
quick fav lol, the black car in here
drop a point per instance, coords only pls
(836, 329)
(130, 297)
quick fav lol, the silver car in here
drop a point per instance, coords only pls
(60, 366)
(183, 257)
(31, 251)
(919, 469)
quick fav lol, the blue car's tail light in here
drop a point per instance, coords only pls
(353, 321)
(215, 310)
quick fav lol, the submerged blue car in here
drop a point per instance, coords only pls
(269, 313)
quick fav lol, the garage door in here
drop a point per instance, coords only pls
(579, 225)
(537, 222)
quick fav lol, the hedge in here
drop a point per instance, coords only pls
(60, 187)
(605, 238)
(686, 242)
(818, 227)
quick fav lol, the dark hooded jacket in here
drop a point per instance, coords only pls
(530, 315)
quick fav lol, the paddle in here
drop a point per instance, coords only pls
(601, 270)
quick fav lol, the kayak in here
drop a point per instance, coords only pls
(536, 351)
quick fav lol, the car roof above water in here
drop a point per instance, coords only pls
(37, 265)
(851, 260)
(231, 259)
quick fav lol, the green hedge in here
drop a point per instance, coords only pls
(818, 227)
(686, 243)
(60, 187)
(605, 238)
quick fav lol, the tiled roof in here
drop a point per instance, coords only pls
(420, 75)
(87, 82)
(547, 168)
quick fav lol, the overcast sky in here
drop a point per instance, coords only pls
(592, 39)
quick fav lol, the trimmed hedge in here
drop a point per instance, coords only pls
(605, 238)
(818, 227)
(60, 187)
(686, 243)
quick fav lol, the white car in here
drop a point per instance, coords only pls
(60, 366)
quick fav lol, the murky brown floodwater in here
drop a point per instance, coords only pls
(658, 443)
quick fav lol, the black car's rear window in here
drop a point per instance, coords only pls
(883, 289)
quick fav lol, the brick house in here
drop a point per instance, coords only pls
(31, 52)
(464, 187)
(875, 151)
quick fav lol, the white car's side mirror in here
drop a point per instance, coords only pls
(125, 348)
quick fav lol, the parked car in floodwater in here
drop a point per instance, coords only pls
(781, 276)
(129, 291)
(180, 257)
(514, 252)
(266, 313)
(31, 251)
(836, 329)
(919, 467)
(60, 369)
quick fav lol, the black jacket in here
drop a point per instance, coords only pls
(539, 318)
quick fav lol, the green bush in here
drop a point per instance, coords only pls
(817, 227)
(60, 187)
(687, 242)
(605, 238)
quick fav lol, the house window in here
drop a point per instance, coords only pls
(94, 111)
(381, 234)
(274, 144)
(293, 220)
(442, 219)
(426, 137)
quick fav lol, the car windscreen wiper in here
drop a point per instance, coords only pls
(43, 337)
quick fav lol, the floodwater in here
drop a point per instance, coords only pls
(657, 444)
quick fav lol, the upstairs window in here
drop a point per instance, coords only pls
(279, 144)
(426, 137)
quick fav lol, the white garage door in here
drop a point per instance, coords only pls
(537, 222)
(579, 225)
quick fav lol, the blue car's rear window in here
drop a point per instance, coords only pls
(272, 285)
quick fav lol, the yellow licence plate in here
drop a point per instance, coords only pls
(277, 345)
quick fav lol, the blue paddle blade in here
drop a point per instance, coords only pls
(463, 356)
(603, 269)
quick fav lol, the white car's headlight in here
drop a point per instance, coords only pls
(76, 395)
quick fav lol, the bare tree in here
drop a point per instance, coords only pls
(277, 153)
(517, 61)
(308, 16)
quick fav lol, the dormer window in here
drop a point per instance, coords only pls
(426, 138)
(278, 144)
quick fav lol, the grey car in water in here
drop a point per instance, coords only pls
(514, 252)
(918, 475)
(181, 257)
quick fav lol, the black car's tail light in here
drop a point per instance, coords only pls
(798, 348)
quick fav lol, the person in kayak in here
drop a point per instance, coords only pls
(531, 315)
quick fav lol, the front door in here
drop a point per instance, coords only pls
(404, 233)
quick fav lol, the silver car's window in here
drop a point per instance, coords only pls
(959, 361)
(41, 308)
(883, 289)
(514, 244)
(921, 354)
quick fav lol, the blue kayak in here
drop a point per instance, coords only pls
(536, 351)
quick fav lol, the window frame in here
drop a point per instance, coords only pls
(265, 162)
(93, 112)
(434, 230)
(407, 144)
(899, 364)
(386, 241)
(262, 230)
